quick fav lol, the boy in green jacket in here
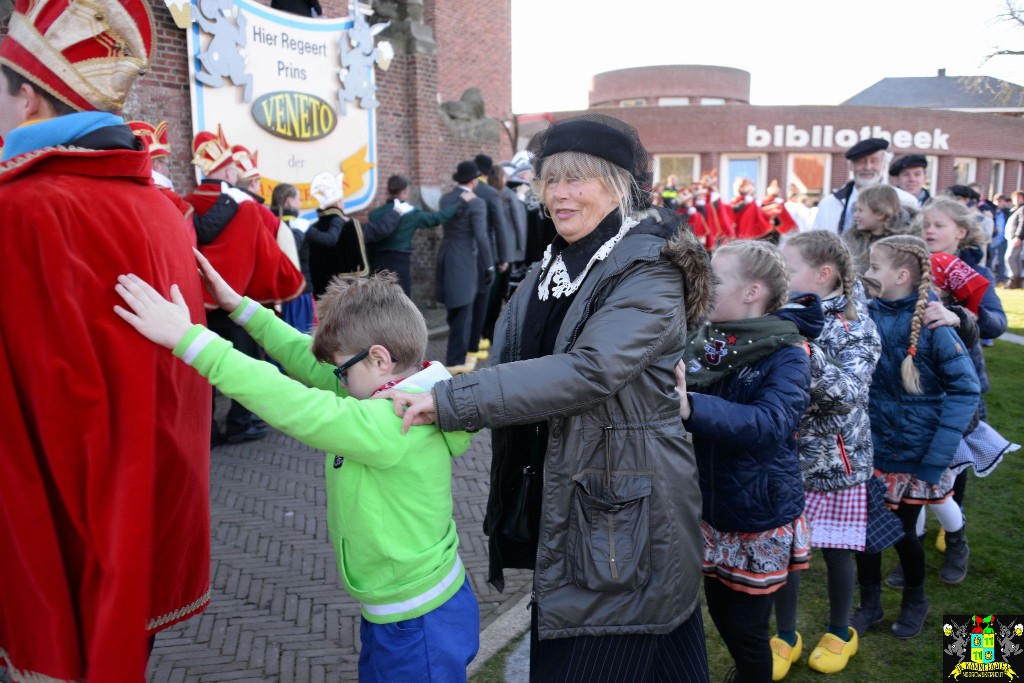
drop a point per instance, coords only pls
(390, 500)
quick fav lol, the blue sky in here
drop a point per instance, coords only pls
(797, 51)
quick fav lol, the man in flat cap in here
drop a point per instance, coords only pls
(869, 160)
(909, 173)
(104, 454)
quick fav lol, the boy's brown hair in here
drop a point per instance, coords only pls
(356, 313)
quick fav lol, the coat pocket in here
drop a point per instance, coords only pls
(610, 530)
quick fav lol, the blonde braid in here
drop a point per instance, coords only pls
(909, 251)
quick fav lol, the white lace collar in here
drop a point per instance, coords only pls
(555, 280)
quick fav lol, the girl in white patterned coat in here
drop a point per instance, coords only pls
(834, 446)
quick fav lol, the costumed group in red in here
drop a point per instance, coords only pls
(104, 450)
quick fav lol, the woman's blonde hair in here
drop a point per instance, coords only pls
(762, 261)
(357, 313)
(883, 200)
(577, 165)
(961, 215)
(823, 247)
(907, 251)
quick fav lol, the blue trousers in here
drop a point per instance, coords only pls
(434, 648)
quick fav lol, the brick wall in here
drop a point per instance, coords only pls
(651, 82)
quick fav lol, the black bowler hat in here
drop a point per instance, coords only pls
(908, 161)
(866, 147)
(484, 163)
(466, 171)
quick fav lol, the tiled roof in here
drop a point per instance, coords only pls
(942, 92)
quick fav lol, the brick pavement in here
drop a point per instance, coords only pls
(278, 612)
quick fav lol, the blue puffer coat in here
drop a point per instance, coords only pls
(919, 433)
(745, 437)
(991, 317)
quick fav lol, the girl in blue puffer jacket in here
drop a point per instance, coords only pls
(749, 371)
(923, 395)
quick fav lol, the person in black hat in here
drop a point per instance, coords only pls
(869, 160)
(577, 390)
(488, 304)
(464, 265)
(909, 173)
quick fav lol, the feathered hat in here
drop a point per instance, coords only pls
(154, 137)
(86, 53)
(211, 152)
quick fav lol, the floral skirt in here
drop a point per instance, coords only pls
(756, 563)
(904, 487)
(838, 519)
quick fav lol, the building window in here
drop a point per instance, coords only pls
(712, 100)
(995, 183)
(736, 166)
(685, 167)
(966, 170)
(640, 102)
(932, 172)
(673, 101)
(808, 175)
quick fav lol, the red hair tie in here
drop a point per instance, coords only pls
(912, 350)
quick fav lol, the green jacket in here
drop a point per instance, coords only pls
(401, 238)
(389, 496)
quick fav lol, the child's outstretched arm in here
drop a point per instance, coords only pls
(154, 317)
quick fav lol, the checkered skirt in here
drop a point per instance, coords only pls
(839, 518)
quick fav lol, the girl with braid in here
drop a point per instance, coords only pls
(834, 446)
(924, 392)
(748, 373)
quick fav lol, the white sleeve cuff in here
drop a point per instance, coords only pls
(197, 345)
(249, 311)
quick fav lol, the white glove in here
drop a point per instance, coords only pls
(238, 195)
(402, 207)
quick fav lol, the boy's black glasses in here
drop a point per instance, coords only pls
(341, 372)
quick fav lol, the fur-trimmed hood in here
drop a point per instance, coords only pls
(683, 249)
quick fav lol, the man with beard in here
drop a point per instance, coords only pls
(869, 161)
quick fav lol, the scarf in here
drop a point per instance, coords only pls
(956, 276)
(59, 130)
(714, 351)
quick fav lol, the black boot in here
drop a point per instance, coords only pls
(895, 577)
(913, 611)
(954, 564)
(869, 611)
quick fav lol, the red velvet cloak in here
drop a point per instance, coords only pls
(104, 445)
(246, 254)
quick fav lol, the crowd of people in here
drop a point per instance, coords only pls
(681, 393)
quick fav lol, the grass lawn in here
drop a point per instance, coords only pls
(995, 513)
(1013, 304)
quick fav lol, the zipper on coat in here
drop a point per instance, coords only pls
(610, 514)
(842, 454)
(590, 300)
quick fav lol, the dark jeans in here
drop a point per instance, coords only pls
(742, 621)
(676, 657)
(240, 418)
(479, 316)
(458, 334)
(495, 300)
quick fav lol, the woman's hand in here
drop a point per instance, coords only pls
(154, 317)
(937, 315)
(414, 409)
(684, 398)
(221, 291)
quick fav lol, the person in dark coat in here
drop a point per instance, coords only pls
(502, 243)
(465, 264)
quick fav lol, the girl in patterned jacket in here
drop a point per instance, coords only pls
(834, 445)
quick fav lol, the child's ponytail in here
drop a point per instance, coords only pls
(911, 253)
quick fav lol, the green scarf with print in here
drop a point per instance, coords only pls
(716, 350)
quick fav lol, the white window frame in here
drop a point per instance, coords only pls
(659, 157)
(992, 184)
(712, 101)
(723, 173)
(673, 101)
(826, 188)
(971, 164)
